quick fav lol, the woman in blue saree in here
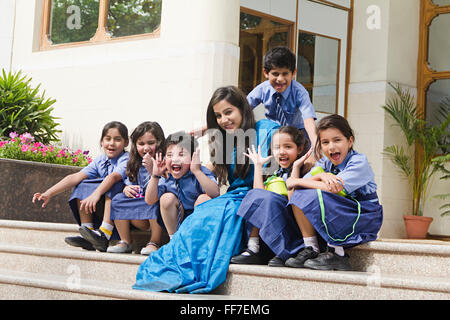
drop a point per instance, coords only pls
(197, 257)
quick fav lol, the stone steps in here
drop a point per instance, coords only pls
(34, 255)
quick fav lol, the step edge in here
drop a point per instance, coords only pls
(98, 288)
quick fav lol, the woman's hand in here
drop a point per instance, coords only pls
(256, 157)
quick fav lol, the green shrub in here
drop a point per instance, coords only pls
(23, 109)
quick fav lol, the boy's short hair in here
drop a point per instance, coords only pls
(279, 57)
(182, 139)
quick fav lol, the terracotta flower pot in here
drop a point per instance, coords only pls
(417, 226)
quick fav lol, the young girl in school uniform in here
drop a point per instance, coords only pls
(342, 221)
(129, 206)
(101, 179)
(266, 213)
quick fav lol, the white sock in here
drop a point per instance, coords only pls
(88, 225)
(253, 244)
(338, 250)
(312, 242)
(107, 229)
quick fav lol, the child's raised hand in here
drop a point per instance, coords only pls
(256, 157)
(147, 162)
(195, 161)
(41, 197)
(300, 161)
(159, 165)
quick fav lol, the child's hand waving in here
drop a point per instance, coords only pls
(256, 157)
(159, 165)
(195, 161)
(299, 162)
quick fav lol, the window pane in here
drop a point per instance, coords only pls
(73, 20)
(127, 18)
(441, 2)
(438, 103)
(317, 70)
(257, 35)
(439, 43)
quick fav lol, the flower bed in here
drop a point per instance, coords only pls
(27, 167)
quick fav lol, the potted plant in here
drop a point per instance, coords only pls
(429, 140)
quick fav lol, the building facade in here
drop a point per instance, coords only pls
(161, 60)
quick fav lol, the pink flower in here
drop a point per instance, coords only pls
(89, 159)
(75, 160)
(2, 143)
(77, 152)
(25, 148)
(13, 135)
(26, 137)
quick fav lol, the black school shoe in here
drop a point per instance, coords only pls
(79, 242)
(252, 258)
(299, 260)
(99, 242)
(276, 262)
(329, 260)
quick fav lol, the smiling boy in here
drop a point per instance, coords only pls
(186, 184)
(286, 100)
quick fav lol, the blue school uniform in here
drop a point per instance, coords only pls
(125, 208)
(197, 257)
(268, 211)
(344, 221)
(96, 171)
(295, 103)
(186, 189)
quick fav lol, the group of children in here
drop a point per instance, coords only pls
(307, 221)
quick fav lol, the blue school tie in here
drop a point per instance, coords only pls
(105, 166)
(334, 170)
(177, 183)
(281, 172)
(279, 110)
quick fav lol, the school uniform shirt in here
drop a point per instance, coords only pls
(295, 103)
(143, 177)
(356, 172)
(187, 188)
(99, 168)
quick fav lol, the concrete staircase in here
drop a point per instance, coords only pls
(35, 263)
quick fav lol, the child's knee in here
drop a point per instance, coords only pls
(168, 200)
(201, 198)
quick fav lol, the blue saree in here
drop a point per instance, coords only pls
(197, 257)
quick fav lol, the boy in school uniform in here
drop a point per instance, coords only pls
(286, 100)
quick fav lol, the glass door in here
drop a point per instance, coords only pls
(322, 54)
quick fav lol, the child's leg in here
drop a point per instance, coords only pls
(85, 218)
(123, 227)
(107, 226)
(155, 238)
(307, 229)
(202, 198)
(169, 206)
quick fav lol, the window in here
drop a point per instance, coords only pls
(433, 80)
(80, 21)
(318, 69)
(259, 33)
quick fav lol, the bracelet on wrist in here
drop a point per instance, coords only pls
(156, 176)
